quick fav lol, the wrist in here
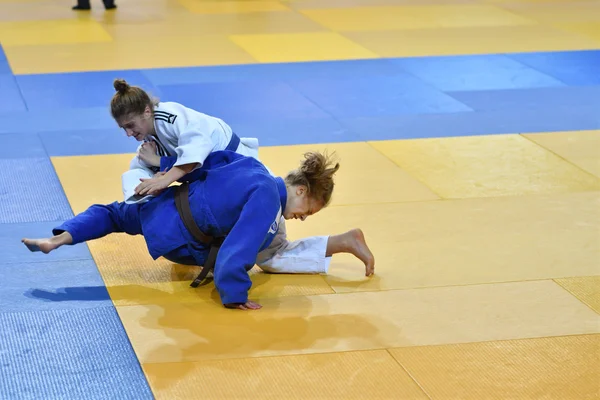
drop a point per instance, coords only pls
(166, 179)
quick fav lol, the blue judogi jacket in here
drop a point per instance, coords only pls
(231, 196)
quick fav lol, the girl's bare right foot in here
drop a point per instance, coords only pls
(358, 246)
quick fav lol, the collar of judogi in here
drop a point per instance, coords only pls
(282, 192)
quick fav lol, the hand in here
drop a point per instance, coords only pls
(249, 305)
(148, 154)
(159, 174)
(153, 186)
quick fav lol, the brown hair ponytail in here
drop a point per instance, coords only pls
(129, 100)
(316, 173)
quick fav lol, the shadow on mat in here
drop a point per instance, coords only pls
(151, 293)
(83, 293)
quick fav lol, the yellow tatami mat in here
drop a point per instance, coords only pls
(103, 189)
(349, 375)
(486, 166)
(415, 17)
(471, 40)
(52, 32)
(581, 148)
(126, 54)
(232, 7)
(585, 288)
(355, 321)
(557, 368)
(295, 47)
(586, 29)
(465, 241)
(557, 12)
(46, 36)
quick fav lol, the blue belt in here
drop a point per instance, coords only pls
(233, 143)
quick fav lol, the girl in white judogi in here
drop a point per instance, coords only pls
(171, 129)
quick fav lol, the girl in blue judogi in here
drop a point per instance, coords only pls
(232, 197)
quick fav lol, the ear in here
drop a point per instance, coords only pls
(301, 190)
(147, 112)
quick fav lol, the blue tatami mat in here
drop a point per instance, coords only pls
(51, 120)
(476, 123)
(275, 132)
(271, 72)
(76, 90)
(480, 72)
(31, 191)
(44, 285)
(21, 145)
(519, 99)
(334, 101)
(88, 142)
(377, 96)
(4, 65)
(244, 101)
(68, 354)
(13, 251)
(10, 96)
(571, 67)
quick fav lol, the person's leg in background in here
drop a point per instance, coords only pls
(85, 5)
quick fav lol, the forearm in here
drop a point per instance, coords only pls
(240, 248)
(178, 172)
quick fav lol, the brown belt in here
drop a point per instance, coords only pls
(182, 202)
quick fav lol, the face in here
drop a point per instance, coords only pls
(299, 204)
(138, 126)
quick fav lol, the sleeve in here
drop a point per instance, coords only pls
(167, 162)
(130, 179)
(194, 140)
(241, 246)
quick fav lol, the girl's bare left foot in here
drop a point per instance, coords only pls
(43, 245)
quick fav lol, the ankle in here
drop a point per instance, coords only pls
(338, 244)
(61, 239)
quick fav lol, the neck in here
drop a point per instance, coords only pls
(289, 193)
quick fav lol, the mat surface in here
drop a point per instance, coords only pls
(467, 133)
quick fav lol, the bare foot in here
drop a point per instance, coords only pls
(43, 245)
(358, 247)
